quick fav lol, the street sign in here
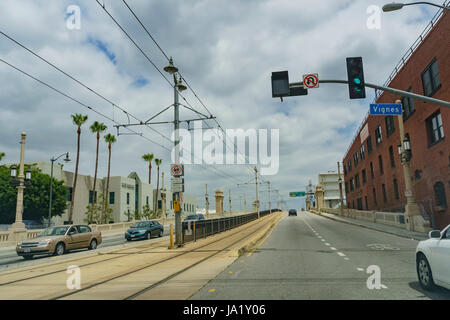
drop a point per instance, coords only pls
(177, 170)
(297, 194)
(176, 206)
(177, 184)
(311, 81)
(385, 109)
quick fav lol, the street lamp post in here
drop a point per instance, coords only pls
(414, 220)
(397, 6)
(53, 159)
(18, 226)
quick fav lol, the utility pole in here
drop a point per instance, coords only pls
(245, 203)
(207, 201)
(340, 189)
(257, 198)
(229, 200)
(270, 204)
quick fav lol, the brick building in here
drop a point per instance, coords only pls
(373, 171)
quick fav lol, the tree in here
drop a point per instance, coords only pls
(36, 197)
(158, 163)
(96, 214)
(148, 157)
(109, 139)
(96, 127)
(149, 214)
(2, 154)
(78, 120)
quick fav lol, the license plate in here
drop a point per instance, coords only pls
(133, 235)
(26, 250)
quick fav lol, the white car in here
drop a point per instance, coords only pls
(433, 260)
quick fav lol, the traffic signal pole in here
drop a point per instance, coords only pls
(396, 91)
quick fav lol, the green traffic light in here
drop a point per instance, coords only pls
(357, 80)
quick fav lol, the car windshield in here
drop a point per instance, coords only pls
(192, 217)
(140, 225)
(53, 231)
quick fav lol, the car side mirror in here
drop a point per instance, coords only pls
(435, 234)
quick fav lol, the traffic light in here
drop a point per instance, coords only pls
(281, 87)
(355, 74)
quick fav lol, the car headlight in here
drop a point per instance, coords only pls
(44, 242)
(20, 243)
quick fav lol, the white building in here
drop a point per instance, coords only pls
(330, 184)
(126, 194)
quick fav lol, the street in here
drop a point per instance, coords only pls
(312, 257)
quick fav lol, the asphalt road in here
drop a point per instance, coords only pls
(312, 257)
(10, 258)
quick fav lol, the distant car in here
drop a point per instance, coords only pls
(433, 260)
(58, 240)
(195, 217)
(144, 230)
(293, 212)
(33, 224)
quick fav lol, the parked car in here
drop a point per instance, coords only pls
(433, 260)
(58, 240)
(293, 212)
(144, 230)
(195, 217)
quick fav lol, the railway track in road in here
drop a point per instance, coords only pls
(235, 237)
(119, 253)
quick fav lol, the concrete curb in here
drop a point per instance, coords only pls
(371, 228)
(258, 238)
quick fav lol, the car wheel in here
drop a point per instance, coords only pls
(93, 245)
(59, 249)
(424, 273)
(160, 233)
(149, 235)
(28, 257)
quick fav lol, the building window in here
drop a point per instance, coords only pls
(352, 186)
(391, 156)
(349, 166)
(380, 161)
(346, 187)
(146, 200)
(357, 181)
(359, 203)
(374, 197)
(390, 128)
(439, 192)
(345, 170)
(369, 145)
(111, 197)
(69, 194)
(367, 204)
(408, 106)
(435, 128)
(159, 204)
(355, 158)
(171, 205)
(371, 170)
(383, 188)
(128, 198)
(378, 135)
(430, 79)
(396, 194)
(361, 151)
(90, 196)
(364, 176)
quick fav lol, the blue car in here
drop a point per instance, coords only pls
(144, 230)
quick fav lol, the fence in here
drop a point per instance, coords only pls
(209, 227)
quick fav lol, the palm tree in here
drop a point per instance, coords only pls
(96, 127)
(78, 119)
(158, 163)
(2, 154)
(109, 139)
(149, 157)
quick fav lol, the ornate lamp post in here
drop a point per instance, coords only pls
(53, 159)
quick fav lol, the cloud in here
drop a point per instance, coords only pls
(225, 49)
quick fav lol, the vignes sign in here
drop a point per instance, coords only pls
(385, 109)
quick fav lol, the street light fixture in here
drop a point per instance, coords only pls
(28, 175)
(397, 6)
(13, 171)
(53, 159)
(171, 69)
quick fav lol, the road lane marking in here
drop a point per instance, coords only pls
(383, 286)
(333, 248)
(211, 290)
(323, 240)
(230, 272)
(346, 258)
(341, 254)
(327, 244)
(360, 269)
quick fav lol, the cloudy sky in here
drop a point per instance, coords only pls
(226, 50)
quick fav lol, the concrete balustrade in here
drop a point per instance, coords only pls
(388, 218)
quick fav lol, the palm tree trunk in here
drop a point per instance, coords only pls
(107, 182)
(149, 172)
(76, 175)
(157, 194)
(95, 175)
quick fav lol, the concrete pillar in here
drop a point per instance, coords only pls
(320, 200)
(219, 201)
(255, 205)
(163, 200)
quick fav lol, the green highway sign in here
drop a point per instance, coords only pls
(297, 194)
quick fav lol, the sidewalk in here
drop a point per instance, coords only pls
(419, 236)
